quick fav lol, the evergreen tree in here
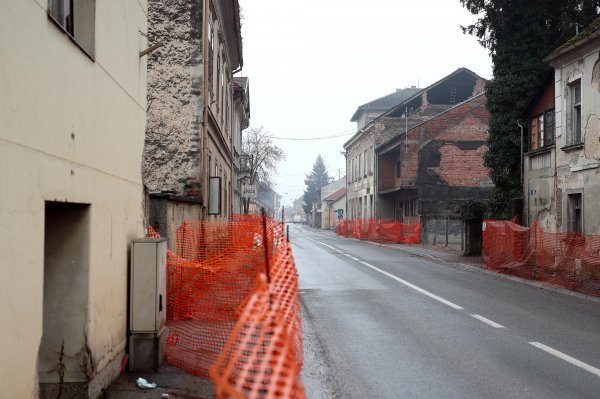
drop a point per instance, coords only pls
(316, 179)
(519, 34)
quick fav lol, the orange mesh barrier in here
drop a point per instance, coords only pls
(570, 260)
(219, 304)
(380, 230)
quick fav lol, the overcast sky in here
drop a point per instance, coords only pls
(312, 63)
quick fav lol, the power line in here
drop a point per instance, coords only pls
(313, 138)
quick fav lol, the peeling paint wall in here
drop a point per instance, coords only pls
(578, 166)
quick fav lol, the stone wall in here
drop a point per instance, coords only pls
(173, 148)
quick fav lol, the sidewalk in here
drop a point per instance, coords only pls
(170, 380)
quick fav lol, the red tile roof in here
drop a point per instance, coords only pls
(337, 195)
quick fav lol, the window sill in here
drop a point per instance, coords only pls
(540, 150)
(572, 147)
(62, 28)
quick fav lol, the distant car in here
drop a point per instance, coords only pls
(297, 219)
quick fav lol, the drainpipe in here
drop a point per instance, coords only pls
(521, 126)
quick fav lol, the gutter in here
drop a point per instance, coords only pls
(571, 47)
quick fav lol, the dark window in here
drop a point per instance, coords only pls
(77, 19)
(549, 128)
(575, 222)
(398, 168)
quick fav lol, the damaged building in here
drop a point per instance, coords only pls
(196, 112)
(434, 174)
(562, 165)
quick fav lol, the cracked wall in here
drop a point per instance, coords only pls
(578, 166)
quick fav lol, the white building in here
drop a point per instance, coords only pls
(73, 111)
(577, 118)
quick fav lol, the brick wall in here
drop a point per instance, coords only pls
(443, 158)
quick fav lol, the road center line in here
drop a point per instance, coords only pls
(414, 287)
(487, 321)
(398, 279)
(567, 358)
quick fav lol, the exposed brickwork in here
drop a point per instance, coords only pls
(442, 160)
(463, 168)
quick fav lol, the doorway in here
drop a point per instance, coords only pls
(64, 358)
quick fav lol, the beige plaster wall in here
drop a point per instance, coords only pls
(72, 130)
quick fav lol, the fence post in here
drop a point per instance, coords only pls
(266, 245)
(446, 231)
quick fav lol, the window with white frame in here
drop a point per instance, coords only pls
(77, 19)
(575, 120)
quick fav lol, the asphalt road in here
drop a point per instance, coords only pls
(378, 323)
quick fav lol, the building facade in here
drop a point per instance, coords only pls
(565, 198)
(435, 175)
(539, 161)
(72, 190)
(333, 209)
(241, 121)
(414, 109)
(359, 152)
(193, 116)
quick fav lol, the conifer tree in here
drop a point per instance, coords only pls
(316, 179)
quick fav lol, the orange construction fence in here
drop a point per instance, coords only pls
(233, 307)
(570, 260)
(380, 230)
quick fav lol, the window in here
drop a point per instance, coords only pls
(574, 216)
(371, 153)
(360, 165)
(364, 171)
(575, 90)
(220, 86)
(77, 19)
(398, 168)
(549, 131)
(542, 131)
(210, 53)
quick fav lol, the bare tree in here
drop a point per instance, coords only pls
(260, 158)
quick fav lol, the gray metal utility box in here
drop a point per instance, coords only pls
(147, 303)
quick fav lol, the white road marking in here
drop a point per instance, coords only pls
(487, 321)
(398, 279)
(567, 358)
(414, 287)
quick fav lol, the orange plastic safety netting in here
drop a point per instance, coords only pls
(221, 300)
(570, 260)
(380, 230)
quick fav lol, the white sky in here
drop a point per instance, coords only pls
(312, 63)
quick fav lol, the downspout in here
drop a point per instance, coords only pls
(204, 168)
(525, 197)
